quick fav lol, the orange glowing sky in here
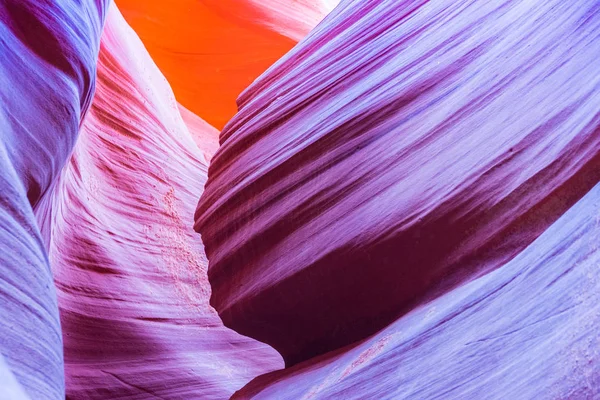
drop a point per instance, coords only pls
(211, 50)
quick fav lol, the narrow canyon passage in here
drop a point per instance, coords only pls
(299, 199)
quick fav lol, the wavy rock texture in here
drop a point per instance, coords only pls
(129, 269)
(47, 65)
(402, 149)
(211, 50)
(527, 330)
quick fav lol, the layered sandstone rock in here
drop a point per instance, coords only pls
(48, 52)
(527, 330)
(129, 269)
(400, 150)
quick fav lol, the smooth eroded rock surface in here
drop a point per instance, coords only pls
(401, 149)
(528, 330)
(130, 272)
(48, 52)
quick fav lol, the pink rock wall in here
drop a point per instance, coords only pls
(129, 269)
(527, 330)
(405, 206)
(400, 150)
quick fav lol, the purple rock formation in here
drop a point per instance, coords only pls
(129, 269)
(47, 67)
(406, 205)
(402, 149)
(528, 330)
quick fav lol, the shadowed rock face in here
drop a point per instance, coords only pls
(108, 201)
(211, 50)
(405, 206)
(129, 269)
(400, 150)
(527, 330)
(48, 52)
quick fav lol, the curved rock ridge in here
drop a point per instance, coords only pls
(47, 66)
(211, 50)
(527, 330)
(291, 18)
(400, 150)
(130, 271)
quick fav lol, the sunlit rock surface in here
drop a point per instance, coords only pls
(528, 330)
(48, 53)
(205, 135)
(212, 50)
(130, 271)
(10, 389)
(400, 150)
(405, 206)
